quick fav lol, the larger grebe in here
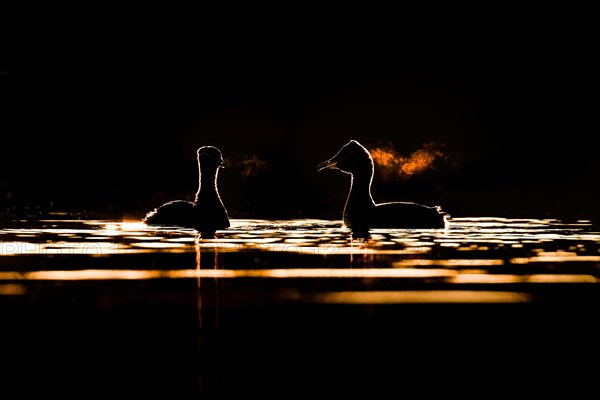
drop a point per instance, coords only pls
(361, 212)
(206, 213)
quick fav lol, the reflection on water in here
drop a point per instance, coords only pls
(422, 296)
(489, 252)
(11, 289)
(124, 304)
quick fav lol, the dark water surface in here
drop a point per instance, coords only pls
(294, 307)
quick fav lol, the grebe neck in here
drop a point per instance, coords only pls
(207, 182)
(359, 198)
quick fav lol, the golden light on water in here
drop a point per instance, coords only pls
(420, 297)
(492, 253)
(447, 263)
(91, 248)
(291, 273)
(163, 294)
(562, 278)
(12, 289)
(126, 226)
(483, 278)
(442, 275)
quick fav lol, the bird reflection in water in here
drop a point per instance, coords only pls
(207, 303)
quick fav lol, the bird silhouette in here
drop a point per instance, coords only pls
(362, 213)
(206, 213)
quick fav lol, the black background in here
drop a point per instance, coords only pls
(102, 110)
(106, 119)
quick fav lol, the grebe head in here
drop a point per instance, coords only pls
(352, 158)
(210, 155)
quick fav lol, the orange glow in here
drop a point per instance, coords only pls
(252, 166)
(555, 257)
(12, 289)
(562, 278)
(391, 163)
(443, 275)
(283, 273)
(458, 262)
(487, 279)
(421, 296)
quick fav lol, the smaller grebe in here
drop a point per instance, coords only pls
(361, 212)
(206, 213)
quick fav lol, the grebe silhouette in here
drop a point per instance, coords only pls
(361, 212)
(206, 213)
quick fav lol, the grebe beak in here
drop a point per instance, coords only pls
(329, 164)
